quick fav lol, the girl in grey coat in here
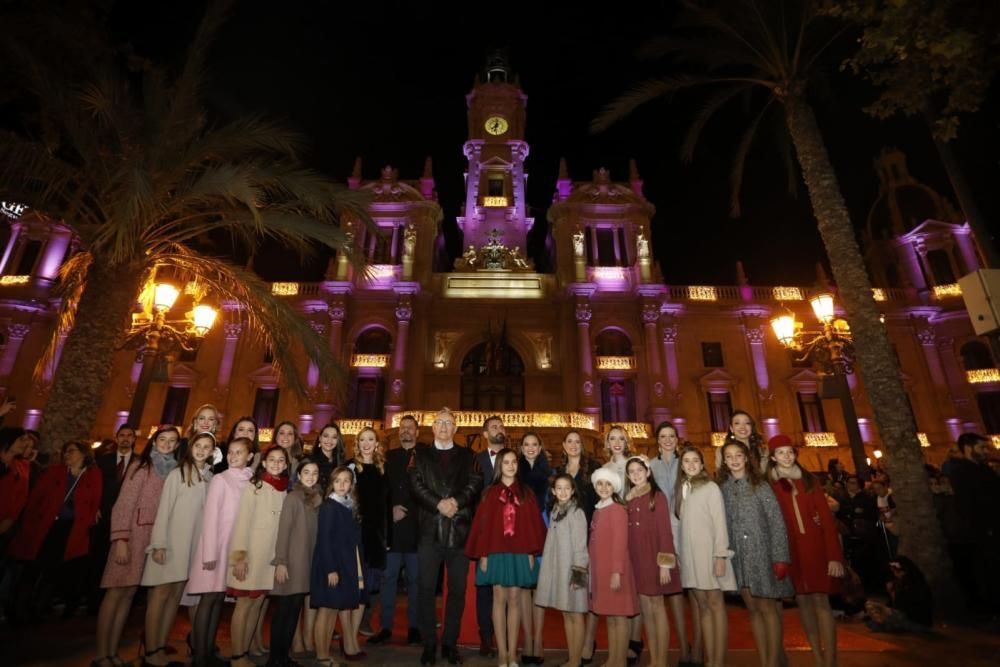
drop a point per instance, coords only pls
(758, 538)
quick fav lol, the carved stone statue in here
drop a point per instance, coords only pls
(471, 256)
(578, 243)
(409, 241)
(517, 260)
(642, 245)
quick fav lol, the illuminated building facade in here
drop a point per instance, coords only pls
(597, 339)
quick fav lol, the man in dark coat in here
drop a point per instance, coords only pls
(402, 537)
(445, 485)
(495, 438)
(977, 536)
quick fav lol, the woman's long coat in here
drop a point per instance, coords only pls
(44, 501)
(221, 506)
(338, 549)
(177, 528)
(132, 519)
(703, 539)
(254, 537)
(565, 548)
(296, 542)
(757, 536)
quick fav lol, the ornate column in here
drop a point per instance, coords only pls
(586, 389)
(670, 359)
(753, 329)
(232, 331)
(12, 244)
(657, 398)
(16, 333)
(323, 412)
(397, 382)
(312, 374)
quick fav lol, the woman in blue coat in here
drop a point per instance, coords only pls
(337, 584)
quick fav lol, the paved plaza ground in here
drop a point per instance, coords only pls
(70, 642)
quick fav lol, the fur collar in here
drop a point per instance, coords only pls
(793, 473)
(637, 491)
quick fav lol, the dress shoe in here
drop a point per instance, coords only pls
(413, 636)
(451, 654)
(486, 648)
(428, 656)
(380, 637)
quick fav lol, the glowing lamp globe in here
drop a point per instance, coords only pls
(822, 305)
(164, 296)
(784, 329)
(204, 318)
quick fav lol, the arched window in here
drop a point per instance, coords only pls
(373, 341)
(368, 384)
(976, 355)
(613, 343)
(492, 378)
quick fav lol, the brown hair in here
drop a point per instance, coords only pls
(696, 481)
(753, 473)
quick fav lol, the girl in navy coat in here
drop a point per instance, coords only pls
(337, 584)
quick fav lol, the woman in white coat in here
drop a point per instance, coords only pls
(173, 541)
(705, 555)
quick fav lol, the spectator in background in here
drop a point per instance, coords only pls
(910, 607)
(859, 513)
(975, 549)
(835, 471)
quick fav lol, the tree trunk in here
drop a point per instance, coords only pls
(81, 380)
(966, 199)
(921, 537)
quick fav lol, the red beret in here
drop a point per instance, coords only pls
(778, 441)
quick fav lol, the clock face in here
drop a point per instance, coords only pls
(496, 125)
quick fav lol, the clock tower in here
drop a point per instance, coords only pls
(495, 181)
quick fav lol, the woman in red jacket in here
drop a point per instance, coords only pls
(817, 558)
(54, 536)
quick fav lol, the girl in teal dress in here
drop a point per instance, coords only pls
(506, 535)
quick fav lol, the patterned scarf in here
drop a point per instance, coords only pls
(510, 501)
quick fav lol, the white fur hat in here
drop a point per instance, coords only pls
(608, 475)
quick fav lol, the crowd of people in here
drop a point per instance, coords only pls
(323, 536)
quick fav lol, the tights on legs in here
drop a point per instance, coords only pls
(206, 624)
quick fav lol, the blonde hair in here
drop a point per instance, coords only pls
(378, 457)
(191, 432)
(628, 441)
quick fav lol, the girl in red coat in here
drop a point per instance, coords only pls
(612, 583)
(506, 535)
(651, 549)
(817, 559)
(54, 537)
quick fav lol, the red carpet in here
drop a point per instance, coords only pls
(740, 635)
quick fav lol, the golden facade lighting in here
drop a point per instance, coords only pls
(284, 289)
(14, 280)
(982, 375)
(945, 291)
(702, 293)
(369, 360)
(820, 439)
(787, 294)
(615, 363)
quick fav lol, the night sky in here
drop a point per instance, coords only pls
(387, 82)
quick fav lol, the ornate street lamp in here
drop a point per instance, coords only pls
(832, 350)
(155, 338)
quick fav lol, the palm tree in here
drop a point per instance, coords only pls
(770, 51)
(129, 160)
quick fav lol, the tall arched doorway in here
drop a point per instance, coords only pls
(492, 378)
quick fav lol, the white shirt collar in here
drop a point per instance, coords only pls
(443, 446)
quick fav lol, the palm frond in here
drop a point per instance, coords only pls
(72, 280)
(740, 159)
(271, 318)
(653, 89)
(715, 102)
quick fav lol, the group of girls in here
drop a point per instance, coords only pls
(198, 526)
(626, 539)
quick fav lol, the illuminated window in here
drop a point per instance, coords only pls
(811, 412)
(494, 186)
(720, 410)
(265, 407)
(174, 405)
(617, 401)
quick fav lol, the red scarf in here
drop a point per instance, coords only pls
(510, 501)
(279, 483)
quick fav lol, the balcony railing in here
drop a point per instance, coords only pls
(369, 360)
(982, 375)
(820, 439)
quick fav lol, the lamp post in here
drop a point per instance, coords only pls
(832, 349)
(159, 337)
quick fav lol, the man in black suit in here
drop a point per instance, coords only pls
(402, 534)
(496, 439)
(112, 467)
(445, 482)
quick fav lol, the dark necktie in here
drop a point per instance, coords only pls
(121, 468)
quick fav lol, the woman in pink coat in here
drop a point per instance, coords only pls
(131, 528)
(210, 562)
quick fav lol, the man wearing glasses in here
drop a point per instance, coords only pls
(445, 484)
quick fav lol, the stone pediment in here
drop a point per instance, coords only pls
(390, 189)
(265, 377)
(718, 380)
